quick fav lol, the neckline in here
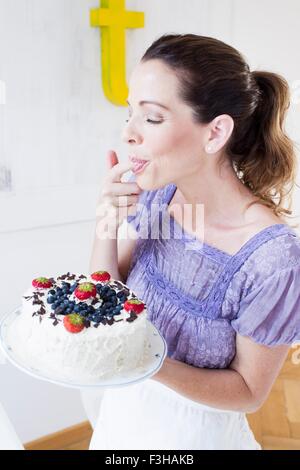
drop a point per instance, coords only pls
(170, 191)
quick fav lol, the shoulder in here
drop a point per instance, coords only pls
(276, 257)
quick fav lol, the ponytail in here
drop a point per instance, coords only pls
(268, 159)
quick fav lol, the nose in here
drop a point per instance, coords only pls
(131, 135)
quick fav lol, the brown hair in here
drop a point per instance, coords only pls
(215, 79)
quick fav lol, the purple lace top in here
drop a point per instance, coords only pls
(199, 296)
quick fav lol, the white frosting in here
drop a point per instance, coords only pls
(86, 356)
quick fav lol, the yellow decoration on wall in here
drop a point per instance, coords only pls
(113, 20)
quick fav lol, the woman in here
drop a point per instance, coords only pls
(227, 302)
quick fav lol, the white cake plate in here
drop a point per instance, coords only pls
(152, 361)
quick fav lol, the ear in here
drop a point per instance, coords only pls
(220, 131)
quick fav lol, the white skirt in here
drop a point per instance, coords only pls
(151, 416)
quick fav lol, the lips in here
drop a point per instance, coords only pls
(138, 164)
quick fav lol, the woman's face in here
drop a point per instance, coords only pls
(172, 144)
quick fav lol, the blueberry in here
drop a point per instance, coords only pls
(69, 310)
(50, 299)
(52, 292)
(59, 311)
(76, 308)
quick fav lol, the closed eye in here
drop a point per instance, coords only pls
(150, 121)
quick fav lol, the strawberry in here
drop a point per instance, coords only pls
(101, 276)
(42, 282)
(85, 290)
(134, 305)
(73, 323)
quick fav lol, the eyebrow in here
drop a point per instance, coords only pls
(141, 103)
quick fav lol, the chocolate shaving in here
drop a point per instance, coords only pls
(87, 323)
(110, 321)
(56, 322)
(82, 277)
(37, 302)
(133, 316)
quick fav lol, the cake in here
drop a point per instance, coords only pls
(81, 327)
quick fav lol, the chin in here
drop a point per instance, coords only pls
(148, 184)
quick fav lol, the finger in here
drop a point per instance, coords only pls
(124, 189)
(124, 201)
(111, 159)
(118, 170)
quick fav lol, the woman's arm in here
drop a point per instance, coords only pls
(104, 255)
(244, 386)
(117, 200)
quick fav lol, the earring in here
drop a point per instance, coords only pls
(208, 149)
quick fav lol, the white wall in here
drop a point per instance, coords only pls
(56, 127)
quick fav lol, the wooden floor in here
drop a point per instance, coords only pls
(276, 425)
(74, 438)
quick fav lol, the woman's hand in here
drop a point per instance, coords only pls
(117, 199)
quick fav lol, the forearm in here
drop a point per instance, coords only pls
(104, 255)
(218, 388)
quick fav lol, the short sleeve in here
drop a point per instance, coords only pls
(270, 313)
